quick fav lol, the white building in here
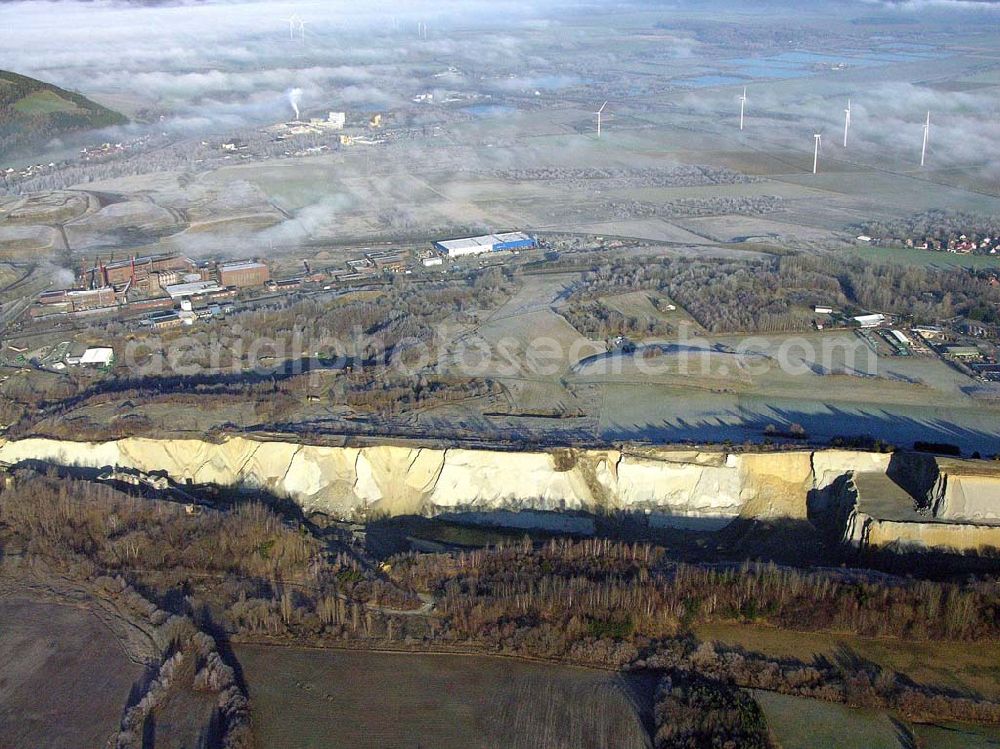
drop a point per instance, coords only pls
(97, 357)
(429, 262)
(900, 338)
(512, 240)
(870, 321)
(819, 309)
(180, 290)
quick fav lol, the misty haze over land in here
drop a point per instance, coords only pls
(203, 68)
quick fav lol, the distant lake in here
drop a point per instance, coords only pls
(706, 81)
(801, 63)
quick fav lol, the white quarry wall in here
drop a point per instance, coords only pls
(672, 483)
(968, 498)
(413, 479)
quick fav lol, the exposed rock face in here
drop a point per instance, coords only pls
(398, 479)
(864, 530)
(401, 479)
(966, 491)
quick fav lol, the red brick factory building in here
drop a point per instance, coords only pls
(136, 269)
(245, 273)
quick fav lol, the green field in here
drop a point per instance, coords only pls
(327, 698)
(44, 102)
(802, 723)
(952, 665)
(33, 112)
(957, 736)
(925, 258)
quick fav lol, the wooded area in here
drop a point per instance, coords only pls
(777, 294)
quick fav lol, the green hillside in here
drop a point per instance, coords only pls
(33, 112)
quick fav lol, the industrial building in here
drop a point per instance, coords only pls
(148, 305)
(963, 352)
(285, 284)
(900, 337)
(245, 273)
(137, 269)
(101, 356)
(97, 357)
(347, 277)
(164, 319)
(337, 120)
(512, 240)
(390, 261)
(869, 321)
(76, 300)
(196, 288)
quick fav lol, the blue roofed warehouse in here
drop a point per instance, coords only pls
(511, 240)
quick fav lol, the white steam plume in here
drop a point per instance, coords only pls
(294, 97)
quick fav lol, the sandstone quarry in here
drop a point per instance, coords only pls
(961, 509)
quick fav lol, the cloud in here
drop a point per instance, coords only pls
(537, 82)
(205, 62)
(916, 6)
(886, 118)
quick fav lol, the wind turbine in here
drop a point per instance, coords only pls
(293, 23)
(598, 113)
(743, 102)
(818, 137)
(927, 132)
(302, 30)
(847, 121)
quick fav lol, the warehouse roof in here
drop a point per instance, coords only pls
(486, 241)
(101, 356)
(189, 289)
(513, 236)
(468, 242)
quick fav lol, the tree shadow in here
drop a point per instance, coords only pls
(904, 734)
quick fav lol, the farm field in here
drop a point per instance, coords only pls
(64, 679)
(925, 258)
(946, 664)
(957, 736)
(801, 723)
(311, 698)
